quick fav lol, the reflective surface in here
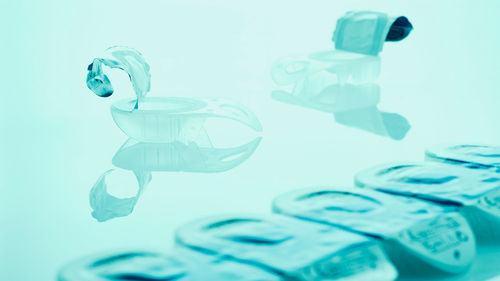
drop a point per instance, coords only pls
(57, 137)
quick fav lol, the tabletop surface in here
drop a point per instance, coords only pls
(58, 138)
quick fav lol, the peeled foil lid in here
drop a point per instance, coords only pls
(438, 182)
(365, 31)
(179, 265)
(276, 242)
(361, 210)
(474, 156)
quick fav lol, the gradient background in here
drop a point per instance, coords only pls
(57, 137)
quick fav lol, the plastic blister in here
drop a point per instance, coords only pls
(342, 81)
(162, 119)
(337, 67)
(178, 265)
(473, 190)
(353, 105)
(293, 248)
(472, 156)
(158, 119)
(417, 228)
(106, 206)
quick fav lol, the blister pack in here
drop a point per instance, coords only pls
(342, 81)
(473, 191)
(162, 119)
(294, 249)
(413, 232)
(179, 265)
(472, 156)
(158, 119)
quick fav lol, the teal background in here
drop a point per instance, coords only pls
(57, 137)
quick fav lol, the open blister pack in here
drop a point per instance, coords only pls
(342, 82)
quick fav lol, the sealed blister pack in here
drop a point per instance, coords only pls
(473, 191)
(294, 249)
(472, 156)
(418, 236)
(178, 265)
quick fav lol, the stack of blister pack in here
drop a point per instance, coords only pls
(403, 218)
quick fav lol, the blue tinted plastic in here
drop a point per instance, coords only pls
(477, 191)
(158, 119)
(178, 265)
(292, 248)
(195, 154)
(181, 157)
(162, 119)
(472, 156)
(106, 206)
(410, 227)
(339, 83)
(433, 181)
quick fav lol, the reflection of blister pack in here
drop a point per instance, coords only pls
(178, 265)
(408, 227)
(473, 190)
(194, 154)
(181, 157)
(294, 249)
(365, 31)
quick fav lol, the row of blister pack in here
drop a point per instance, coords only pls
(418, 218)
